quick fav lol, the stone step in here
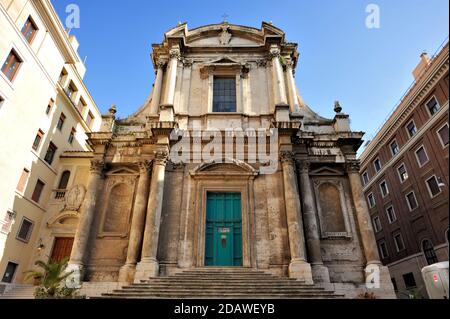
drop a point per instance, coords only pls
(225, 280)
(221, 284)
(171, 295)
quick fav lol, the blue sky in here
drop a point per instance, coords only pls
(368, 70)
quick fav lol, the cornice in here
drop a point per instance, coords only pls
(56, 29)
(407, 106)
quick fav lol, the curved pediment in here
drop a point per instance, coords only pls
(67, 219)
(229, 167)
(225, 34)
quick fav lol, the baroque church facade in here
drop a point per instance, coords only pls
(135, 211)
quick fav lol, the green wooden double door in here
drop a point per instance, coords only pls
(223, 230)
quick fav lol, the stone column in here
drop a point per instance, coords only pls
(167, 109)
(126, 273)
(292, 87)
(87, 214)
(156, 99)
(149, 266)
(320, 272)
(377, 276)
(298, 268)
(278, 76)
(362, 214)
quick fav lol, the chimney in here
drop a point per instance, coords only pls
(422, 66)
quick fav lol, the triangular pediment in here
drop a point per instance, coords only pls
(326, 171)
(123, 171)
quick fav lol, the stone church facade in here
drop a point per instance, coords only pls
(137, 211)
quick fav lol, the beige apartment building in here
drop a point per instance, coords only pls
(46, 110)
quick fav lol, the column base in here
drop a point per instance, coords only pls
(301, 270)
(146, 269)
(378, 276)
(320, 274)
(75, 280)
(126, 273)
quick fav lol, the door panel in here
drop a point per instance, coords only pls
(62, 249)
(223, 230)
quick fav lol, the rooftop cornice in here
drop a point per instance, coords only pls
(438, 67)
(56, 30)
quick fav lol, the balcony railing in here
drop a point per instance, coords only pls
(60, 194)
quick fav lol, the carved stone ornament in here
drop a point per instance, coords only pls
(74, 198)
(97, 166)
(274, 53)
(304, 166)
(161, 63)
(144, 166)
(225, 36)
(161, 157)
(287, 157)
(353, 167)
(175, 53)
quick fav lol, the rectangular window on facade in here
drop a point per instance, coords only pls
(29, 30)
(38, 140)
(50, 156)
(224, 99)
(402, 173)
(371, 200)
(38, 191)
(399, 244)
(25, 230)
(365, 178)
(89, 119)
(23, 180)
(443, 135)
(377, 224)
(394, 283)
(72, 136)
(10, 271)
(61, 121)
(11, 65)
(383, 250)
(422, 156)
(433, 106)
(377, 165)
(71, 89)
(49, 106)
(392, 217)
(7, 223)
(410, 281)
(81, 105)
(412, 201)
(384, 189)
(433, 186)
(394, 148)
(62, 76)
(411, 128)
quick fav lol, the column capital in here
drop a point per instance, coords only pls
(274, 52)
(290, 64)
(353, 166)
(304, 166)
(144, 166)
(161, 157)
(97, 166)
(161, 63)
(287, 157)
(175, 53)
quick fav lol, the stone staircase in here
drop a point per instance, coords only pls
(210, 283)
(19, 292)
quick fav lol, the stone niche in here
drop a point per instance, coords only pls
(113, 224)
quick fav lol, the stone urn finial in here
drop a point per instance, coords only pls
(337, 107)
(113, 110)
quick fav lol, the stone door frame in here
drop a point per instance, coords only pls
(222, 180)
